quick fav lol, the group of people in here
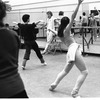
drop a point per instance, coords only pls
(52, 23)
(11, 84)
(92, 21)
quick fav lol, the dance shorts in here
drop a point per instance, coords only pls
(72, 52)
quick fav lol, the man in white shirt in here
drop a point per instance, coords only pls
(50, 35)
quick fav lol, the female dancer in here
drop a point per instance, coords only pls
(73, 55)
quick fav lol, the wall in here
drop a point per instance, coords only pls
(38, 11)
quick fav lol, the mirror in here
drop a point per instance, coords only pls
(90, 41)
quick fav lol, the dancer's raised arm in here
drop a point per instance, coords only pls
(74, 14)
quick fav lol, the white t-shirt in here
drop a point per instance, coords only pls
(50, 23)
(84, 19)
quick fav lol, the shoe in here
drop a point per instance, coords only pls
(44, 64)
(52, 87)
(74, 94)
(23, 67)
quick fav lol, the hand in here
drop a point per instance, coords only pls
(80, 1)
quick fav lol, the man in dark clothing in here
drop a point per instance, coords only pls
(29, 31)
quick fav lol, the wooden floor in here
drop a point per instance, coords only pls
(37, 78)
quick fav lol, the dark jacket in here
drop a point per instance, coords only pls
(28, 31)
(10, 80)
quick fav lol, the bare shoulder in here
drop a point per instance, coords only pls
(67, 31)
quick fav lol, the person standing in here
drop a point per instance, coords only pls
(29, 32)
(61, 15)
(84, 22)
(97, 17)
(11, 84)
(73, 55)
(84, 19)
(50, 35)
(93, 24)
(57, 21)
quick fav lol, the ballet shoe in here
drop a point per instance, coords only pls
(52, 87)
(74, 94)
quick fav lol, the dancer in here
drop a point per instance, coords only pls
(11, 84)
(73, 54)
(84, 23)
(50, 35)
(93, 23)
(61, 15)
(97, 17)
(58, 20)
(29, 32)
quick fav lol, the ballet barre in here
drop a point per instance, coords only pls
(83, 35)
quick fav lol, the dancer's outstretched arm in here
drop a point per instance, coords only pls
(73, 16)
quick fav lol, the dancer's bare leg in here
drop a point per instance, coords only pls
(46, 48)
(84, 72)
(49, 41)
(61, 75)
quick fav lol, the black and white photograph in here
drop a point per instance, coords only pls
(50, 49)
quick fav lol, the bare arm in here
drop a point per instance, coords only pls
(53, 31)
(37, 22)
(44, 25)
(74, 15)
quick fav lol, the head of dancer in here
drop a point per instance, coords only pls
(64, 22)
(49, 14)
(26, 18)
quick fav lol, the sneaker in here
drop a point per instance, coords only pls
(74, 94)
(52, 87)
(23, 67)
(44, 63)
(78, 96)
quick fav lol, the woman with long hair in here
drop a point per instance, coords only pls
(73, 55)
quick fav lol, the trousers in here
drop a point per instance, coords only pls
(32, 45)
